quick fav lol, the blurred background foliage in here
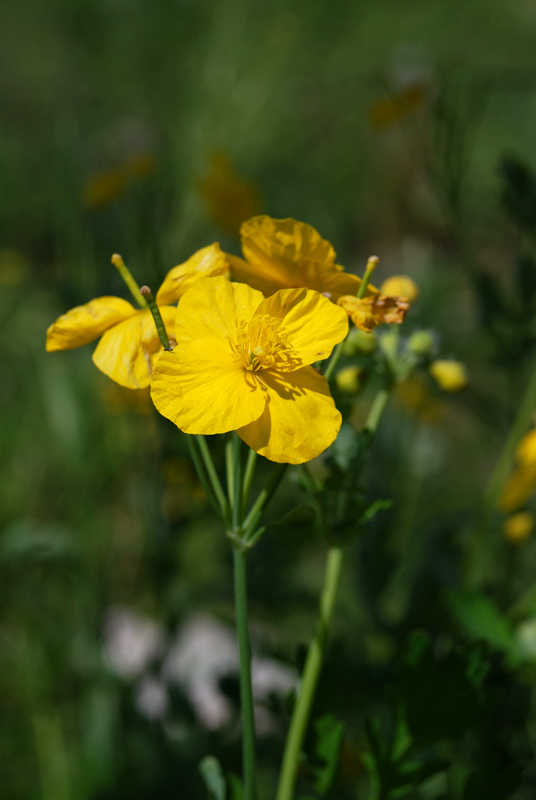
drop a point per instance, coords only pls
(152, 129)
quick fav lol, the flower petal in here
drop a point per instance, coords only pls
(127, 353)
(199, 386)
(208, 262)
(83, 324)
(312, 324)
(300, 419)
(369, 312)
(284, 240)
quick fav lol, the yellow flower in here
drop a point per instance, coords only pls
(522, 482)
(518, 527)
(369, 312)
(286, 254)
(347, 379)
(450, 375)
(229, 198)
(242, 363)
(400, 286)
(129, 345)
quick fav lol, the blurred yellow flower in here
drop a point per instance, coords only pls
(387, 111)
(129, 344)
(242, 363)
(287, 254)
(369, 312)
(104, 187)
(450, 375)
(522, 482)
(230, 199)
(400, 286)
(347, 379)
(517, 528)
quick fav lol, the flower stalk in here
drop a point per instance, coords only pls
(126, 274)
(317, 646)
(157, 316)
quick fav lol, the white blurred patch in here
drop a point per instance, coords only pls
(131, 642)
(151, 698)
(204, 653)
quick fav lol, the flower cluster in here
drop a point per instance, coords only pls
(242, 352)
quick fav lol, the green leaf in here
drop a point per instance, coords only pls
(211, 772)
(481, 618)
(235, 787)
(373, 509)
(329, 739)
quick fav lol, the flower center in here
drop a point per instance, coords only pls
(262, 344)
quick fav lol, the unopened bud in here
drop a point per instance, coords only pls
(421, 342)
(359, 341)
(347, 380)
(400, 286)
(450, 375)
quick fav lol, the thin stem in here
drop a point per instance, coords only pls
(125, 273)
(248, 478)
(263, 499)
(317, 646)
(237, 482)
(198, 464)
(212, 474)
(157, 316)
(334, 360)
(376, 410)
(372, 263)
(311, 672)
(229, 465)
(246, 693)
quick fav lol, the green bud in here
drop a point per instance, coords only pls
(421, 342)
(359, 341)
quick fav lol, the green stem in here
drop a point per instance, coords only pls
(157, 316)
(248, 478)
(125, 273)
(237, 482)
(198, 464)
(317, 646)
(229, 466)
(337, 353)
(212, 474)
(311, 672)
(334, 360)
(263, 499)
(246, 693)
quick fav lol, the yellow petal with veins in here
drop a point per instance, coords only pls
(86, 323)
(312, 324)
(300, 419)
(128, 352)
(208, 262)
(201, 386)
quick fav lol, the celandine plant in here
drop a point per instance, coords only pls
(244, 354)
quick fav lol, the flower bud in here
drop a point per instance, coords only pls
(518, 527)
(450, 375)
(347, 379)
(359, 341)
(421, 342)
(400, 286)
